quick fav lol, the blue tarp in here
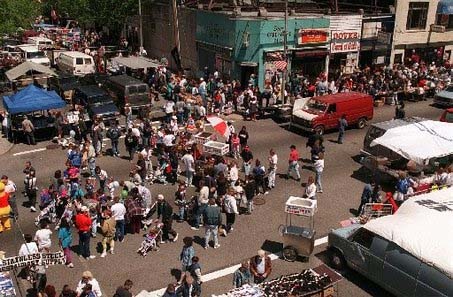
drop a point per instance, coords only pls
(445, 7)
(31, 99)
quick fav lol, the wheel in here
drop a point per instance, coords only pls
(289, 254)
(337, 260)
(361, 123)
(319, 129)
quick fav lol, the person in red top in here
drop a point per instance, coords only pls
(293, 162)
(83, 225)
(5, 209)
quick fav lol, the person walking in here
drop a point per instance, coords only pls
(108, 230)
(134, 213)
(131, 143)
(29, 131)
(65, 240)
(273, 160)
(195, 270)
(242, 275)
(202, 204)
(319, 168)
(31, 189)
(212, 218)
(366, 195)
(83, 225)
(114, 133)
(243, 137)
(231, 210)
(124, 290)
(10, 188)
(247, 158)
(118, 212)
(293, 162)
(186, 255)
(342, 125)
(165, 211)
(250, 191)
(260, 267)
(189, 164)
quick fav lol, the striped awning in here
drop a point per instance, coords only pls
(280, 65)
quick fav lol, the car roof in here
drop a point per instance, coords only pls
(397, 123)
(340, 97)
(125, 80)
(91, 90)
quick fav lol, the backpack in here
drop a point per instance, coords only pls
(114, 133)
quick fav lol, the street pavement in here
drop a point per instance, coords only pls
(343, 181)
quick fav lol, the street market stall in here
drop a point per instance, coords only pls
(36, 104)
(28, 73)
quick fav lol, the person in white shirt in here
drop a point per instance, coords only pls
(319, 168)
(118, 212)
(169, 108)
(203, 199)
(310, 188)
(168, 139)
(87, 278)
(42, 237)
(189, 164)
(234, 173)
(183, 82)
(10, 188)
(231, 210)
(273, 159)
(29, 247)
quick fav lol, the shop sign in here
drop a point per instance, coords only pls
(345, 35)
(277, 34)
(307, 36)
(342, 47)
(10, 263)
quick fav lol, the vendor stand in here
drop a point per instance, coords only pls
(35, 103)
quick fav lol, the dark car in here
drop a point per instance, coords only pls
(64, 85)
(98, 79)
(96, 102)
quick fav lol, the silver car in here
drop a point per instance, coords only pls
(386, 264)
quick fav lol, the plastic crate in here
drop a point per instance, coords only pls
(203, 137)
(216, 148)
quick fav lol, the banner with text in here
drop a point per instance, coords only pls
(10, 263)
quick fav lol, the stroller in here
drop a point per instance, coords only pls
(160, 174)
(48, 213)
(151, 239)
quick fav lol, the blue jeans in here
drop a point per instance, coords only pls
(92, 166)
(214, 230)
(119, 232)
(247, 169)
(94, 227)
(181, 212)
(84, 244)
(189, 177)
(318, 180)
(294, 167)
(200, 211)
(115, 150)
(340, 136)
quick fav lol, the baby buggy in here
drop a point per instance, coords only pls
(48, 214)
(151, 239)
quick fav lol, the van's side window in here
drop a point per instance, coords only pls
(363, 237)
(142, 89)
(132, 89)
(79, 61)
(88, 61)
(332, 108)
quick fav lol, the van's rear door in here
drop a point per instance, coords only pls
(137, 95)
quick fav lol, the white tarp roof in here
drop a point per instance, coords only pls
(423, 226)
(135, 62)
(419, 141)
(25, 67)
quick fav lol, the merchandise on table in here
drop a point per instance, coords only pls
(6, 285)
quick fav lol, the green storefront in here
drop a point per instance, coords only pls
(239, 46)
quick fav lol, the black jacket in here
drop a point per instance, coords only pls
(165, 210)
(183, 291)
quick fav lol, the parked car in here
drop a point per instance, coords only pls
(320, 114)
(447, 116)
(444, 98)
(96, 102)
(126, 89)
(386, 263)
(64, 84)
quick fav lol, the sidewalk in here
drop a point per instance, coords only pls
(5, 145)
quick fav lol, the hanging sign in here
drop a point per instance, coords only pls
(307, 36)
(10, 263)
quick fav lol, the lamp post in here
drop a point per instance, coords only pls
(141, 25)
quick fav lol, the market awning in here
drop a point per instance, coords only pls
(136, 62)
(25, 67)
(445, 7)
(280, 65)
(437, 138)
(32, 99)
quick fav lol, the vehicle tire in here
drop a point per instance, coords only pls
(361, 123)
(337, 260)
(290, 254)
(319, 129)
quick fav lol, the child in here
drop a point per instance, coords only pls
(65, 238)
(180, 201)
(235, 145)
(42, 237)
(151, 239)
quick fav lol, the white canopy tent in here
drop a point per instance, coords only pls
(135, 62)
(423, 226)
(25, 67)
(420, 141)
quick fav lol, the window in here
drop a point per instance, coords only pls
(416, 17)
(79, 61)
(142, 89)
(332, 108)
(398, 58)
(363, 237)
(132, 90)
(445, 20)
(88, 61)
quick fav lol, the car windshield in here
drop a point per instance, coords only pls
(100, 100)
(316, 105)
(34, 55)
(68, 80)
(449, 117)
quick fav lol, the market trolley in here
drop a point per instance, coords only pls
(298, 240)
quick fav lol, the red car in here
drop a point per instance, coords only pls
(447, 116)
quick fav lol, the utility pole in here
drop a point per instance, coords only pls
(285, 53)
(176, 29)
(141, 25)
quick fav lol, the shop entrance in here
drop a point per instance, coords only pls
(310, 65)
(246, 71)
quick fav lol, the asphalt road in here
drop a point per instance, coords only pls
(342, 183)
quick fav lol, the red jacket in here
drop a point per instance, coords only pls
(4, 200)
(83, 222)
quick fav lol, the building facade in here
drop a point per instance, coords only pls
(423, 31)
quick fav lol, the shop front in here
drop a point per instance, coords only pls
(345, 32)
(310, 57)
(376, 40)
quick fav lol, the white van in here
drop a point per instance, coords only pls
(76, 63)
(32, 53)
(40, 41)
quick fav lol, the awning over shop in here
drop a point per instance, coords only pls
(25, 67)
(135, 62)
(437, 140)
(445, 7)
(280, 65)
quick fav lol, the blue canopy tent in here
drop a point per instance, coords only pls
(445, 7)
(31, 99)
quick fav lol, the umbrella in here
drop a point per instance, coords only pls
(219, 125)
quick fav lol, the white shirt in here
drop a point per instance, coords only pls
(202, 111)
(234, 173)
(169, 107)
(189, 162)
(261, 267)
(28, 248)
(203, 198)
(183, 82)
(168, 139)
(42, 236)
(135, 132)
(10, 187)
(118, 211)
(103, 175)
(94, 286)
(273, 161)
(319, 165)
(310, 191)
(230, 204)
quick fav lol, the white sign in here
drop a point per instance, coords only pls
(343, 47)
(10, 263)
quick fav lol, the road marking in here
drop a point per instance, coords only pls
(29, 152)
(220, 273)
